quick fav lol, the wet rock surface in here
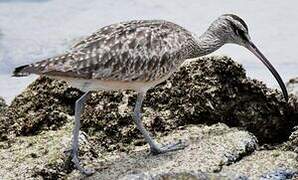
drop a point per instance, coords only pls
(35, 130)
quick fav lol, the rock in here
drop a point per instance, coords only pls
(266, 164)
(292, 86)
(209, 149)
(29, 157)
(280, 174)
(44, 105)
(213, 152)
(184, 176)
(3, 108)
(209, 90)
(42, 156)
(293, 139)
(2, 105)
(292, 143)
(188, 106)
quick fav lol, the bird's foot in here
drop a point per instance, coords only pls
(167, 148)
(75, 160)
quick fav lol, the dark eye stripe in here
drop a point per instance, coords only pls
(237, 31)
(234, 27)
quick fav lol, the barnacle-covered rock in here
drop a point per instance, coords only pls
(43, 156)
(206, 91)
(45, 104)
(292, 86)
(2, 105)
(266, 165)
(188, 106)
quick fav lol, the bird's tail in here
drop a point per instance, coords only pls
(23, 71)
(41, 67)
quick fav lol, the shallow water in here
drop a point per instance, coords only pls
(31, 30)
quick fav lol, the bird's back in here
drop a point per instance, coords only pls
(144, 50)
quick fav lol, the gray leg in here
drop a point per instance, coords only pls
(75, 138)
(154, 147)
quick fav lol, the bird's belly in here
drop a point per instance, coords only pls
(94, 85)
(110, 85)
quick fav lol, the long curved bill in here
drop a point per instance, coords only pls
(258, 53)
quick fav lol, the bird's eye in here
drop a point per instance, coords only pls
(241, 33)
(238, 32)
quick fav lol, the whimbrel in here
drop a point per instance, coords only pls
(138, 55)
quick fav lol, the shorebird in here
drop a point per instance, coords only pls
(138, 55)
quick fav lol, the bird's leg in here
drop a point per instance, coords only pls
(154, 147)
(75, 138)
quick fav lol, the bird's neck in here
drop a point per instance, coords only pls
(208, 43)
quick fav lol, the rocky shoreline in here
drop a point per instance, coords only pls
(235, 128)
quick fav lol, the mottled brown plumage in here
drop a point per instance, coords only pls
(129, 51)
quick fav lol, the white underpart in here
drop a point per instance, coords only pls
(95, 85)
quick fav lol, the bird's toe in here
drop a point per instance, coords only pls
(168, 148)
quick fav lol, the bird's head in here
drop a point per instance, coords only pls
(230, 28)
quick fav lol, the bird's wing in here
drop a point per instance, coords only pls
(128, 51)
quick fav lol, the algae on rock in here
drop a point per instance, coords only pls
(44, 105)
(292, 143)
(2, 105)
(292, 86)
(266, 163)
(209, 149)
(207, 91)
(3, 108)
(202, 93)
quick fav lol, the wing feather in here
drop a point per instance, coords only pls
(128, 51)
